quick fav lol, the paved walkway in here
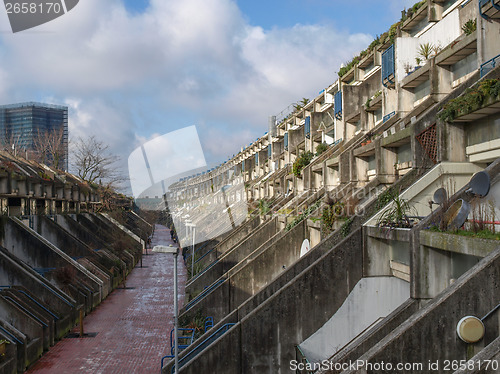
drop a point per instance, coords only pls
(133, 325)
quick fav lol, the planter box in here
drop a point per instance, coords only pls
(459, 244)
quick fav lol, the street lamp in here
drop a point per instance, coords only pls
(175, 252)
(193, 232)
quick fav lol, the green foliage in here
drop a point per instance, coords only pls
(471, 100)
(302, 216)
(425, 50)
(344, 70)
(301, 104)
(346, 227)
(196, 322)
(331, 214)
(384, 198)
(192, 272)
(301, 162)
(469, 27)
(264, 207)
(396, 215)
(321, 148)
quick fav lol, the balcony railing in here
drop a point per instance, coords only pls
(285, 140)
(257, 159)
(338, 105)
(387, 117)
(489, 65)
(388, 67)
(307, 127)
(482, 3)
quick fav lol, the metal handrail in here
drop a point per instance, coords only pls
(204, 271)
(11, 335)
(37, 303)
(484, 69)
(491, 312)
(204, 293)
(221, 331)
(25, 310)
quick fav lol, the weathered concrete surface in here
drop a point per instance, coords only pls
(253, 273)
(430, 334)
(233, 256)
(269, 333)
(133, 325)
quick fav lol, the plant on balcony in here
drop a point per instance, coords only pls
(301, 104)
(469, 27)
(397, 214)
(332, 212)
(264, 207)
(302, 215)
(407, 14)
(472, 99)
(321, 148)
(301, 162)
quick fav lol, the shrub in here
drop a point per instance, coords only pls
(302, 161)
(321, 148)
(469, 27)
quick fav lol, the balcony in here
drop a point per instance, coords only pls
(457, 50)
(338, 105)
(388, 77)
(489, 9)
(489, 65)
(307, 127)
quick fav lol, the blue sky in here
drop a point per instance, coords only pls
(131, 70)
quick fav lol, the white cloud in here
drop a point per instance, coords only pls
(180, 59)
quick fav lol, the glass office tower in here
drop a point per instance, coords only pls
(21, 123)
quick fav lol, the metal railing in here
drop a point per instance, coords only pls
(204, 293)
(302, 359)
(387, 117)
(489, 66)
(307, 127)
(337, 99)
(388, 67)
(205, 343)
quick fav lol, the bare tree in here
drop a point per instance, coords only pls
(50, 148)
(12, 143)
(94, 163)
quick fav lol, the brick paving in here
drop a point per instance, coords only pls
(133, 325)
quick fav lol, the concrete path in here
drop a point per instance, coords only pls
(133, 325)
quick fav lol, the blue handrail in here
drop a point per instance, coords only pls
(190, 339)
(388, 68)
(209, 323)
(59, 296)
(337, 100)
(11, 336)
(307, 127)
(200, 347)
(25, 310)
(489, 65)
(205, 270)
(37, 303)
(206, 254)
(387, 117)
(205, 292)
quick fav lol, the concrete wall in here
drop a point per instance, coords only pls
(232, 257)
(269, 347)
(430, 334)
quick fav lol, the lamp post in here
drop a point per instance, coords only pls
(175, 252)
(193, 233)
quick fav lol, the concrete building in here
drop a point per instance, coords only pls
(21, 125)
(416, 111)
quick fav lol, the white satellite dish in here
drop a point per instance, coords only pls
(305, 247)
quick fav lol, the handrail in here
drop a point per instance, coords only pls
(484, 69)
(59, 296)
(37, 303)
(204, 271)
(221, 331)
(205, 255)
(11, 335)
(25, 310)
(491, 312)
(204, 293)
(196, 250)
(181, 346)
(301, 357)
(209, 323)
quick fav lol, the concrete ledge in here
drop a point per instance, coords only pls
(458, 244)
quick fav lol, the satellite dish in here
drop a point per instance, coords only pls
(479, 184)
(470, 329)
(440, 196)
(305, 247)
(457, 214)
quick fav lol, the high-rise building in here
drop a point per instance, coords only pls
(24, 126)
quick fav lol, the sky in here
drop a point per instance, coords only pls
(132, 70)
